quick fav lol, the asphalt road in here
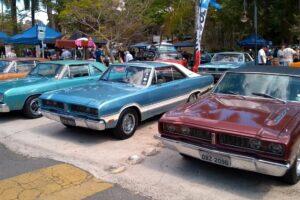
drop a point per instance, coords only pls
(163, 176)
(13, 166)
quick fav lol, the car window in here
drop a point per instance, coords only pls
(95, 71)
(25, 66)
(3, 65)
(247, 58)
(77, 71)
(49, 70)
(177, 75)
(163, 75)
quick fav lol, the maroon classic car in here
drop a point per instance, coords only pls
(249, 121)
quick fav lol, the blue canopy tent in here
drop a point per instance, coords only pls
(141, 45)
(185, 44)
(250, 42)
(3, 37)
(30, 36)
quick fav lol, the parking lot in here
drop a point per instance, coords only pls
(162, 173)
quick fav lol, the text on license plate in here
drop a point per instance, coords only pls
(68, 121)
(215, 158)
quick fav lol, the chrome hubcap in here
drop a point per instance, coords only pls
(35, 107)
(298, 165)
(128, 124)
(193, 98)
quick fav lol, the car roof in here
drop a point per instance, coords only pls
(70, 62)
(148, 64)
(278, 70)
(230, 52)
(24, 59)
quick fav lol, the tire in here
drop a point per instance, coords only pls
(193, 98)
(127, 125)
(293, 175)
(31, 108)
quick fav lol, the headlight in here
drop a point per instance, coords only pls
(255, 144)
(185, 130)
(277, 149)
(170, 128)
(1, 97)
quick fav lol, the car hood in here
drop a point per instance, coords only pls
(16, 83)
(249, 116)
(93, 95)
(221, 65)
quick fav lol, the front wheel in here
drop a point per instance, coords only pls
(31, 108)
(127, 125)
(193, 98)
(293, 175)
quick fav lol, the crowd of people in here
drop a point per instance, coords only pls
(284, 56)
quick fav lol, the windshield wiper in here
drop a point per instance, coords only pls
(267, 96)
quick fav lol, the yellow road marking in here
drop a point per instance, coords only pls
(56, 182)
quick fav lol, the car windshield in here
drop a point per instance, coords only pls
(137, 76)
(166, 48)
(283, 87)
(227, 58)
(3, 65)
(48, 70)
(172, 56)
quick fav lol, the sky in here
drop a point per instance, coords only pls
(42, 16)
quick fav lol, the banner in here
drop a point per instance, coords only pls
(200, 23)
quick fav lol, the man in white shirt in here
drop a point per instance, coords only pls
(128, 56)
(262, 57)
(288, 55)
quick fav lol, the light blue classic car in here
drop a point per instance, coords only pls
(22, 94)
(125, 95)
(224, 61)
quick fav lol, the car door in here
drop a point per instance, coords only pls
(165, 91)
(75, 75)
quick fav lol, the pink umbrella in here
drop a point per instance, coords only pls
(85, 42)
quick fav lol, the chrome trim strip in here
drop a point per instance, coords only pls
(150, 107)
(237, 161)
(85, 123)
(4, 108)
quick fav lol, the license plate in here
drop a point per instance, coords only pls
(67, 121)
(215, 158)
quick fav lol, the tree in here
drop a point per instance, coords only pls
(110, 20)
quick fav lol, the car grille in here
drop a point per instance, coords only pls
(192, 132)
(235, 141)
(84, 110)
(53, 104)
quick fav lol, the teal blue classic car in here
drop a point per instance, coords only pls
(224, 61)
(125, 95)
(22, 94)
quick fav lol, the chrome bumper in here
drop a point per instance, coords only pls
(4, 108)
(84, 123)
(237, 161)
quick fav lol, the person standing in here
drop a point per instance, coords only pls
(99, 54)
(280, 55)
(288, 54)
(262, 57)
(128, 56)
(66, 54)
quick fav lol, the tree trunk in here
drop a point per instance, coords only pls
(33, 8)
(13, 6)
(50, 16)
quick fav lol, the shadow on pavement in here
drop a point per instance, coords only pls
(242, 183)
